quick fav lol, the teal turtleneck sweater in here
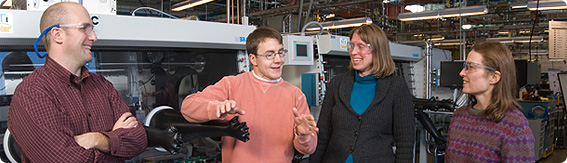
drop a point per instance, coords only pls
(363, 92)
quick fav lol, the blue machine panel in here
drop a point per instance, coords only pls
(535, 109)
(309, 87)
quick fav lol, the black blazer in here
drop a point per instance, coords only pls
(388, 121)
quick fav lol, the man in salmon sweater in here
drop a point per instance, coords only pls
(275, 111)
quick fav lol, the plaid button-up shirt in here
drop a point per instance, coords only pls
(51, 106)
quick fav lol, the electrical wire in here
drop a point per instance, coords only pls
(149, 8)
(144, 83)
(532, 31)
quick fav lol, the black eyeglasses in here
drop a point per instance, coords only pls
(469, 65)
(272, 55)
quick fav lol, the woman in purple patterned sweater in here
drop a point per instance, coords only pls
(490, 128)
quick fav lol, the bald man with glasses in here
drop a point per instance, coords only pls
(64, 113)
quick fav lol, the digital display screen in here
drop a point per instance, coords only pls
(301, 50)
(450, 74)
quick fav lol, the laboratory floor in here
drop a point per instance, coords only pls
(558, 156)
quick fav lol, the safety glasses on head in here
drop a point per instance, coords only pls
(85, 27)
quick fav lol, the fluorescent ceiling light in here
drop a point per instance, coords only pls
(188, 4)
(345, 23)
(467, 26)
(547, 5)
(430, 14)
(444, 13)
(516, 39)
(463, 11)
(390, 1)
(7, 3)
(330, 16)
(448, 42)
(436, 39)
(518, 6)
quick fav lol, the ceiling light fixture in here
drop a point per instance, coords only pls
(444, 13)
(345, 23)
(467, 26)
(436, 38)
(7, 3)
(330, 16)
(516, 39)
(518, 6)
(547, 5)
(524, 32)
(188, 4)
(450, 42)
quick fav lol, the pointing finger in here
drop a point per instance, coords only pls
(239, 111)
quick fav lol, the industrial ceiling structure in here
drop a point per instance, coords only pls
(502, 20)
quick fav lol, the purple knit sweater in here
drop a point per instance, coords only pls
(473, 138)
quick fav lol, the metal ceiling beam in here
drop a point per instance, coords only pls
(295, 8)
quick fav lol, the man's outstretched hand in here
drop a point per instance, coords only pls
(304, 124)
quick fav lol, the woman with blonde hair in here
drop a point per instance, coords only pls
(367, 114)
(489, 128)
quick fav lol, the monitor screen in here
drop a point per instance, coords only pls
(521, 72)
(450, 74)
(301, 50)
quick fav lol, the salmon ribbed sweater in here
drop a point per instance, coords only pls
(268, 107)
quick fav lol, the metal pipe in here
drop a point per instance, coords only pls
(286, 24)
(312, 22)
(237, 11)
(227, 11)
(299, 15)
(428, 49)
(462, 39)
(232, 11)
(308, 11)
